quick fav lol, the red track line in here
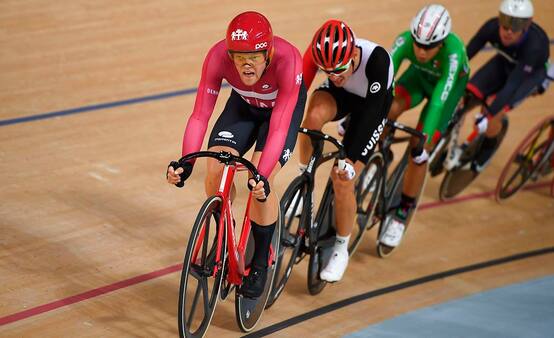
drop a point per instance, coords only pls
(88, 294)
(174, 268)
(469, 197)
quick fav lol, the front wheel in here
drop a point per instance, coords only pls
(526, 159)
(202, 272)
(457, 179)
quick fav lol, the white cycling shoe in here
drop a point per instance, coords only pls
(298, 211)
(336, 267)
(394, 231)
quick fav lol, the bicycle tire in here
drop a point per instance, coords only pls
(438, 154)
(315, 284)
(202, 271)
(292, 235)
(523, 156)
(248, 311)
(459, 178)
(393, 193)
(367, 193)
(396, 182)
(325, 231)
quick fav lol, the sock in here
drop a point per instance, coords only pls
(341, 243)
(262, 240)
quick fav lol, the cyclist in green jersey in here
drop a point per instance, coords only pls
(438, 72)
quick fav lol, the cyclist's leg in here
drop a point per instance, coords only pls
(432, 125)
(488, 80)
(263, 215)
(322, 108)
(359, 141)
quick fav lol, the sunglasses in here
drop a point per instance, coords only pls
(427, 47)
(338, 71)
(255, 58)
(511, 23)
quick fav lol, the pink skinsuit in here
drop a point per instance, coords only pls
(278, 88)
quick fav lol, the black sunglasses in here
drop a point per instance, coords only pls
(427, 47)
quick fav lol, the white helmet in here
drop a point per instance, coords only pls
(431, 25)
(517, 8)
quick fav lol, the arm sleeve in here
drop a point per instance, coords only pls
(531, 61)
(479, 39)
(309, 68)
(289, 72)
(369, 122)
(443, 90)
(399, 51)
(206, 97)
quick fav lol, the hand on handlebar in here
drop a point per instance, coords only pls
(345, 170)
(260, 190)
(481, 123)
(177, 174)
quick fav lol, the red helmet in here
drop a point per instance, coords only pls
(333, 45)
(249, 32)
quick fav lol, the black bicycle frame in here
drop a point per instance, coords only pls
(317, 158)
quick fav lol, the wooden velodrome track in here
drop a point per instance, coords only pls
(91, 235)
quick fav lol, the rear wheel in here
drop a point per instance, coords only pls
(292, 235)
(320, 248)
(526, 159)
(202, 273)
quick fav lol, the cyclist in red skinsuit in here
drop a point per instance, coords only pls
(265, 107)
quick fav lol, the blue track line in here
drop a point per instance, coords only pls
(108, 105)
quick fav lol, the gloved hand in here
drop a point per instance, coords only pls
(260, 190)
(177, 174)
(481, 123)
(348, 172)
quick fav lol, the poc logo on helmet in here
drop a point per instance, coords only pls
(239, 34)
(260, 45)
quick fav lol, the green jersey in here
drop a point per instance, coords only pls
(438, 76)
(442, 80)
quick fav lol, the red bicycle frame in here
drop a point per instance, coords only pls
(236, 264)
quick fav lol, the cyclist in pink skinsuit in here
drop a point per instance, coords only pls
(265, 107)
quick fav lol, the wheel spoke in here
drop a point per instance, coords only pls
(194, 303)
(205, 298)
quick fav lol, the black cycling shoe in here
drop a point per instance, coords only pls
(253, 285)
